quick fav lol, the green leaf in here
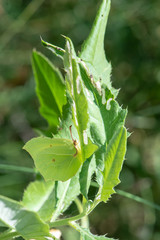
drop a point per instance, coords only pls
(105, 118)
(73, 191)
(93, 48)
(50, 89)
(114, 158)
(67, 121)
(66, 193)
(105, 115)
(26, 223)
(56, 159)
(96, 126)
(8, 235)
(86, 173)
(59, 52)
(2, 224)
(79, 101)
(86, 234)
(113, 117)
(40, 197)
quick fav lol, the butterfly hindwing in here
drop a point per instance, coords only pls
(56, 159)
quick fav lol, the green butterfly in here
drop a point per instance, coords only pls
(55, 158)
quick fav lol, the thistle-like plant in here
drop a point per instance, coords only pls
(84, 145)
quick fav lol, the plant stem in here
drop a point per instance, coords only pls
(79, 205)
(17, 168)
(138, 199)
(67, 220)
(133, 197)
(78, 228)
(17, 25)
(84, 220)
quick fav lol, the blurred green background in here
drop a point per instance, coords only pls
(132, 45)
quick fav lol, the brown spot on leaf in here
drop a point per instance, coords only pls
(50, 145)
(53, 160)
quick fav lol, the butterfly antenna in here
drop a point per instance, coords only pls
(70, 129)
(74, 141)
